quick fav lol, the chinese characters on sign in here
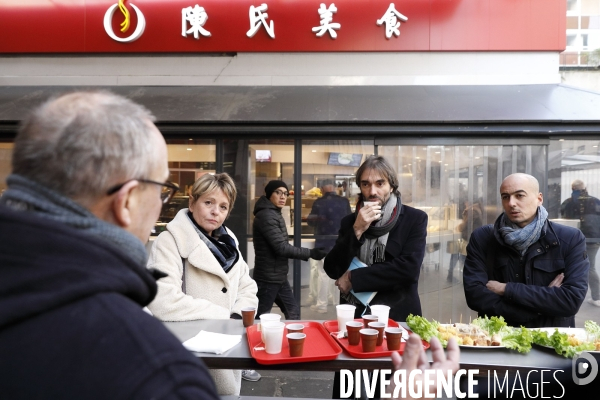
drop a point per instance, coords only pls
(194, 18)
(326, 21)
(258, 16)
(392, 24)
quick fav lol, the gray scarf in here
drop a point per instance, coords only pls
(25, 195)
(376, 237)
(521, 238)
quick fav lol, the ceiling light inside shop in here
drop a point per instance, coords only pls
(189, 149)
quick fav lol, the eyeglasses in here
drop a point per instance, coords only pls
(168, 188)
(280, 193)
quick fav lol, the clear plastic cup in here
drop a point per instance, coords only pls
(345, 313)
(382, 312)
(273, 332)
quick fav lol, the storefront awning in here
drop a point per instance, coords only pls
(533, 110)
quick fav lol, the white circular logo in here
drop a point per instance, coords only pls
(141, 25)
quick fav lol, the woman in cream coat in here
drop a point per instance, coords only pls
(215, 283)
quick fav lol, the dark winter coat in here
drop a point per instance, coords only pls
(72, 324)
(587, 210)
(326, 215)
(396, 279)
(527, 299)
(272, 249)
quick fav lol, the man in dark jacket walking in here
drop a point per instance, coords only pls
(525, 268)
(272, 251)
(586, 209)
(88, 182)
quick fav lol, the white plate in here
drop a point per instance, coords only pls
(579, 333)
(476, 347)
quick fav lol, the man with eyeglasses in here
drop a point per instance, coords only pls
(272, 252)
(87, 185)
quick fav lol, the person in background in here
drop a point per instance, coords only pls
(207, 277)
(471, 220)
(586, 209)
(325, 216)
(272, 252)
(526, 268)
(89, 177)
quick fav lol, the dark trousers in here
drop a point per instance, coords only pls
(280, 294)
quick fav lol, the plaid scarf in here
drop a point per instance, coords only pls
(521, 238)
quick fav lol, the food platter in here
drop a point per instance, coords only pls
(578, 333)
(468, 346)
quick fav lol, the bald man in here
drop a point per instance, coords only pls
(525, 268)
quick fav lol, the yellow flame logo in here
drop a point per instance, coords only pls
(125, 24)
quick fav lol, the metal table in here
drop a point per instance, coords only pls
(484, 360)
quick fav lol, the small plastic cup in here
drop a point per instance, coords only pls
(248, 316)
(383, 312)
(353, 328)
(345, 313)
(295, 328)
(369, 318)
(393, 337)
(379, 326)
(373, 203)
(267, 318)
(368, 337)
(296, 343)
(273, 332)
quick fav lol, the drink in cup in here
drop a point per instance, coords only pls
(295, 328)
(382, 312)
(273, 332)
(345, 313)
(393, 337)
(353, 328)
(296, 343)
(379, 326)
(369, 318)
(373, 203)
(267, 318)
(248, 316)
(368, 337)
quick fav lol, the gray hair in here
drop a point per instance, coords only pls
(383, 167)
(80, 144)
(578, 185)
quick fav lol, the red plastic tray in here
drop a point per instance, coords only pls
(357, 351)
(322, 346)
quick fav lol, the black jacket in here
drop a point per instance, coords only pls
(587, 210)
(527, 300)
(326, 215)
(271, 244)
(72, 324)
(396, 279)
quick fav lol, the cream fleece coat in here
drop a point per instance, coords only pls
(210, 292)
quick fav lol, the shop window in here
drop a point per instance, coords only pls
(444, 181)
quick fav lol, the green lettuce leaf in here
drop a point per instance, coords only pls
(422, 327)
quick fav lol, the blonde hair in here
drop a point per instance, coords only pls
(208, 183)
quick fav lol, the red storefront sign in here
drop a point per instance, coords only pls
(175, 26)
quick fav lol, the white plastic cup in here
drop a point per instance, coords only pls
(382, 312)
(267, 318)
(273, 332)
(373, 203)
(345, 313)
